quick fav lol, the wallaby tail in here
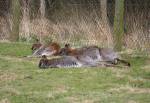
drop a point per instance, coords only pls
(124, 62)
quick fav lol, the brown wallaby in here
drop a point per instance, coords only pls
(48, 50)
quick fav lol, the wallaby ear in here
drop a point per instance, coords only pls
(44, 56)
(67, 45)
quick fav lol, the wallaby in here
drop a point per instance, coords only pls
(48, 50)
(88, 56)
(66, 61)
(97, 55)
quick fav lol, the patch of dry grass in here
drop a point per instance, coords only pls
(7, 76)
(5, 100)
(131, 90)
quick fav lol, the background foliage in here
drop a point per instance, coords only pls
(78, 22)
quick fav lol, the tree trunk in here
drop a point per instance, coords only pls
(42, 17)
(26, 20)
(104, 10)
(14, 36)
(119, 24)
(106, 27)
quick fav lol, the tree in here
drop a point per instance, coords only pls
(15, 4)
(26, 19)
(118, 24)
(42, 17)
(105, 22)
(104, 10)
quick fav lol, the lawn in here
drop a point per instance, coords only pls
(21, 81)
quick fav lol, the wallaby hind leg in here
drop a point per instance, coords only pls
(124, 62)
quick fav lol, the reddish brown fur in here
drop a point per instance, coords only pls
(50, 46)
(54, 46)
(67, 50)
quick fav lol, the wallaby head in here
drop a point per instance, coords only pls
(36, 46)
(48, 50)
(66, 50)
(43, 62)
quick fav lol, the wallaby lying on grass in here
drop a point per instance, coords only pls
(66, 61)
(48, 50)
(70, 61)
(95, 54)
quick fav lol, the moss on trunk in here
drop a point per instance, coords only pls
(119, 24)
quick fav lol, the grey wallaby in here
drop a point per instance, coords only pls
(91, 54)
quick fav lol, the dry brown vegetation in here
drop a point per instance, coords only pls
(81, 24)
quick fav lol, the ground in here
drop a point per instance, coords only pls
(21, 81)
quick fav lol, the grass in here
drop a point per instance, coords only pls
(21, 81)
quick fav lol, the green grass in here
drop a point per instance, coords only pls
(21, 81)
